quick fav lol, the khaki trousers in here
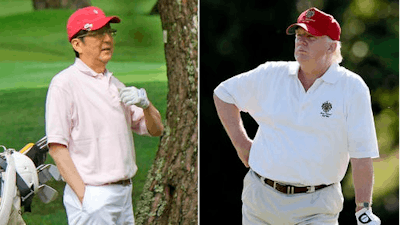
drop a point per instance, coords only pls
(264, 205)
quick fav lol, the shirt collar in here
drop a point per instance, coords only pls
(330, 76)
(87, 70)
(294, 68)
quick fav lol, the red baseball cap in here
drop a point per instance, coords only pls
(88, 18)
(317, 23)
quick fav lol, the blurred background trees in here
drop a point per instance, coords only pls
(60, 4)
(237, 36)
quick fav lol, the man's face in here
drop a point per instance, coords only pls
(308, 47)
(98, 45)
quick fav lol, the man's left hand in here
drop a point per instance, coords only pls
(134, 96)
(365, 216)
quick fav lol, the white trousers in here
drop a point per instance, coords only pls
(102, 205)
(264, 205)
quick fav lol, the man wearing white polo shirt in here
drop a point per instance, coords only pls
(314, 117)
(90, 116)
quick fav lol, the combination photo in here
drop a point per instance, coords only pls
(189, 112)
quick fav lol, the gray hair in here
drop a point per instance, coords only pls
(337, 55)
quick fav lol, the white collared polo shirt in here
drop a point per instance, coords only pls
(84, 112)
(304, 137)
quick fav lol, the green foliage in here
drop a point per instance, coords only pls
(387, 122)
(370, 31)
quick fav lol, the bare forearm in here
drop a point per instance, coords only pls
(153, 120)
(230, 118)
(237, 133)
(363, 179)
(67, 169)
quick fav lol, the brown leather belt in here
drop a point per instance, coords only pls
(289, 189)
(121, 182)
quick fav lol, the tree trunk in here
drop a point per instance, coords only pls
(170, 193)
(60, 4)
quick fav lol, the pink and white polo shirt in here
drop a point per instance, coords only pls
(84, 113)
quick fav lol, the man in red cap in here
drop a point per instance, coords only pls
(90, 116)
(314, 117)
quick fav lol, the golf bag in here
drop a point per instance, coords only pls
(22, 175)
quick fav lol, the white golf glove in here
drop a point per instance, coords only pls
(134, 96)
(365, 216)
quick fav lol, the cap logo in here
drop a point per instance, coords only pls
(310, 13)
(88, 26)
(95, 11)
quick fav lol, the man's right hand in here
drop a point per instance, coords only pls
(67, 168)
(81, 194)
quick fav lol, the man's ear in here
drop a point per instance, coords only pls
(77, 45)
(332, 47)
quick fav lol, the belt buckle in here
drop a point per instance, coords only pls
(310, 189)
(290, 189)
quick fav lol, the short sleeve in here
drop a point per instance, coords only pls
(241, 89)
(58, 115)
(362, 141)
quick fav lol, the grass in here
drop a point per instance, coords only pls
(30, 74)
(34, 47)
(15, 7)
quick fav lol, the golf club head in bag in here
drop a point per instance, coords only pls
(46, 172)
(36, 152)
(47, 194)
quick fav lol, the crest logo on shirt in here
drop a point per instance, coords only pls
(326, 107)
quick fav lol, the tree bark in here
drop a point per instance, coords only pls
(60, 4)
(170, 193)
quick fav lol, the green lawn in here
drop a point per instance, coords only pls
(34, 47)
(31, 74)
